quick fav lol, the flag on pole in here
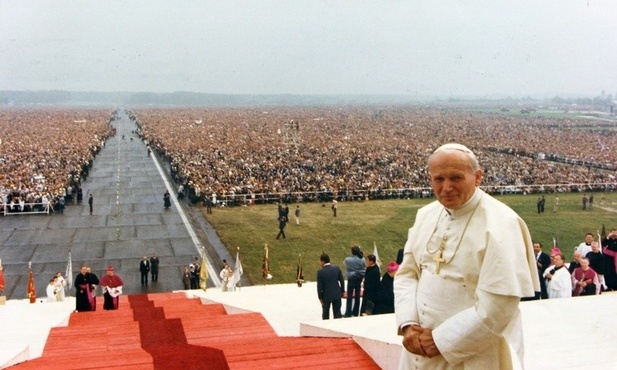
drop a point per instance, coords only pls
(69, 275)
(376, 254)
(31, 287)
(266, 265)
(555, 249)
(238, 271)
(299, 272)
(603, 233)
(203, 271)
(2, 281)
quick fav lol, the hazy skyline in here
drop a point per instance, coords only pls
(451, 48)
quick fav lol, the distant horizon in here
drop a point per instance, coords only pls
(538, 96)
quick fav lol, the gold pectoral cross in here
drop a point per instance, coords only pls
(439, 257)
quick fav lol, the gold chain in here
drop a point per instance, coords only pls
(439, 258)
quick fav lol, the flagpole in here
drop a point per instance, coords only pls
(265, 264)
(69, 276)
(300, 274)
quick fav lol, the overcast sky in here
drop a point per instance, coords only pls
(434, 48)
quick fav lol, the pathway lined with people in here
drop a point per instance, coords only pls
(128, 221)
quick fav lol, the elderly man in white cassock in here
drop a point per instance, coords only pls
(468, 261)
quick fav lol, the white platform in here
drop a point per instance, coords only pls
(569, 333)
(25, 327)
(572, 333)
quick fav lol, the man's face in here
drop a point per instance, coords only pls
(577, 256)
(537, 248)
(558, 261)
(588, 239)
(452, 178)
(594, 247)
(584, 264)
(84, 270)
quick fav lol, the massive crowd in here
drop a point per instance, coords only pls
(307, 153)
(45, 151)
(371, 152)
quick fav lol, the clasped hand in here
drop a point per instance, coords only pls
(419, 341)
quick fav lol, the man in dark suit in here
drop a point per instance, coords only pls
(543, 261)
(144, 268)
(330, 287)
(154, 267)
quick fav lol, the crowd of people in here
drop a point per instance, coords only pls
(593, 268)
(243, 155)
(45, 154)
(250, 154)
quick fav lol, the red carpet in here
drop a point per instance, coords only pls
(169, 331)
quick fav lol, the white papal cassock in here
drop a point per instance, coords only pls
(472, 303)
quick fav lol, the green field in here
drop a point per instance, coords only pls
(384, 222)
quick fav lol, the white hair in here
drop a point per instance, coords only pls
(459, 148)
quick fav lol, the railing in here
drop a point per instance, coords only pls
(401, 193)
(26, 208)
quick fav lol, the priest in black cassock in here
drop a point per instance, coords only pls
(84, 294)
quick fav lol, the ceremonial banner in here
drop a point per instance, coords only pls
(603, 233)
(238, 271)
(555, 249)
(2, 281)
(203, 272)
(31, 287)
(376, 254)
(68, 275)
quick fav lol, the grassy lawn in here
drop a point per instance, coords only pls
(383, 222)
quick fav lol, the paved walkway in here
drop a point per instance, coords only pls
(128, 222)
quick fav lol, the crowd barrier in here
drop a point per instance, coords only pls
(236, 199)
(26, 209)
